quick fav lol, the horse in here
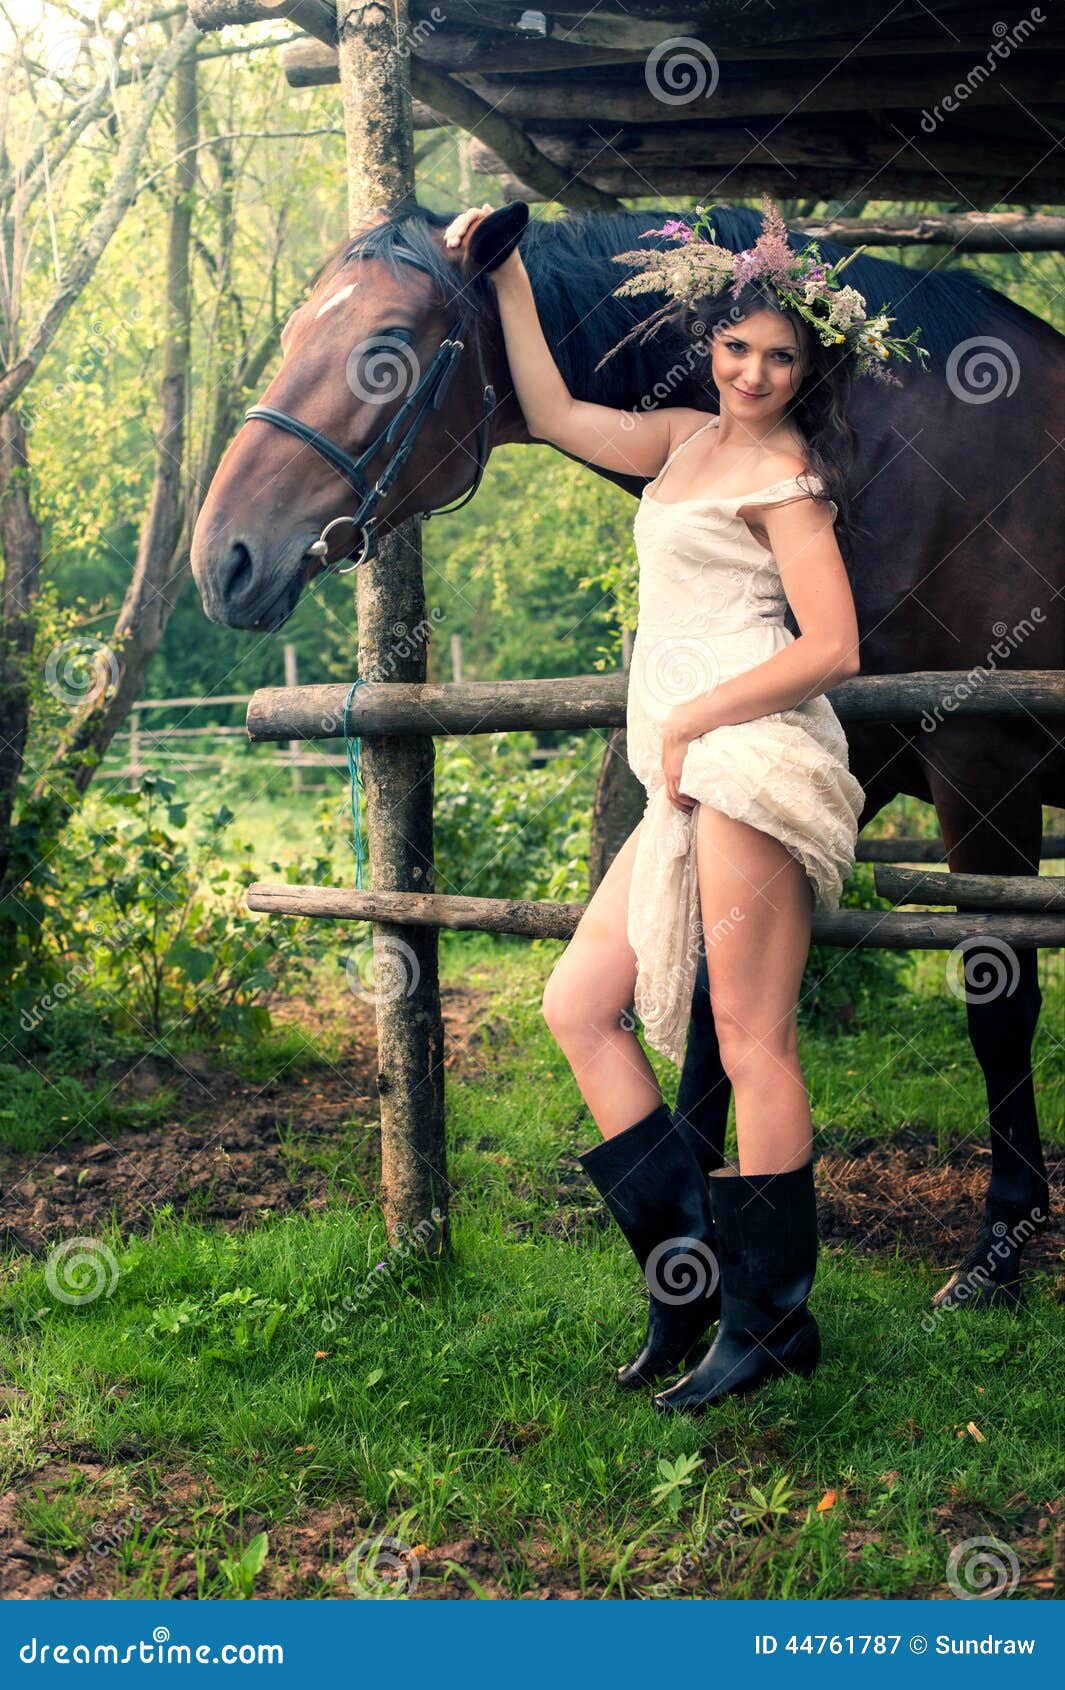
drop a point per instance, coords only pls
(956, 564)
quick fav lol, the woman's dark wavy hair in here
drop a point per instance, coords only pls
(821, 406)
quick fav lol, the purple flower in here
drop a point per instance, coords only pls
(673, 226)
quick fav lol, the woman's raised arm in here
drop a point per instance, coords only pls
(637, 444)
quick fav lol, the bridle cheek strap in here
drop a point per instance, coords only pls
(427, 395)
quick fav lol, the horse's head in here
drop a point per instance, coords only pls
(383, 408)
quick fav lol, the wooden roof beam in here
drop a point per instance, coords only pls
(999, 231)
(856, 187)
(518, 153)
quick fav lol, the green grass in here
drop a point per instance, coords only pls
(474, 1400)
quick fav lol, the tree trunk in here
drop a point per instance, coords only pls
(148, 601)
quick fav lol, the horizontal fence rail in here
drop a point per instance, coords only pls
(1023, 911)
(573, 702)
(544, 920)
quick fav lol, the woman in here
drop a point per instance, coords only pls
(751, 817)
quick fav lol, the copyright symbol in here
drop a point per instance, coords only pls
(918, 1644)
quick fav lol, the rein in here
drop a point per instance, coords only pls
(430, 393)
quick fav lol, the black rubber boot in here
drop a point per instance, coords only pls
(766, 1226)
(653, 1187)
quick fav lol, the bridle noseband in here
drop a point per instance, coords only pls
(427, 395)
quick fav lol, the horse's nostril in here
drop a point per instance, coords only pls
(236, 571)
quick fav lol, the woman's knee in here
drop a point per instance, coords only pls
(746, 1039)
(574, 1006)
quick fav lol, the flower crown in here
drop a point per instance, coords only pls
(803, 282)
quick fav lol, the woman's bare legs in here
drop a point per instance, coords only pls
(757, 905)
(589, 990)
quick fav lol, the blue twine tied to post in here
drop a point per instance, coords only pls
(353, 749)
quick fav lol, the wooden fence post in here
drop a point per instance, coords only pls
(374, 62)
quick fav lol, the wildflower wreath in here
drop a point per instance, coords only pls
(803, 282)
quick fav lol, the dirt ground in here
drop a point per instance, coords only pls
(235, 1151)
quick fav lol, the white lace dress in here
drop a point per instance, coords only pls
(711, 605)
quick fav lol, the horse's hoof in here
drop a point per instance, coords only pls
(966, 1289)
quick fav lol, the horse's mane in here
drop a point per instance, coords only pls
(571, 268)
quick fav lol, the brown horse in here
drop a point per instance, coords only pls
(956, 563)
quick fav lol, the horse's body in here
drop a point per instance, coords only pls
(956, 562)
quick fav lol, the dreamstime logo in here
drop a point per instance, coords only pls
(681, 1270)
(80, 1270)
(117, 933)
(681, 69)
(982, 1567)
(1006, 640)
(382, 1566)
(384, 69)
(679, 668)
(421, 1237)
(385, 974)
(81, 62)
(406, 642)
(982, 369)
(103, 341)
(983, 969)
(106, 1540)
(381, 369)
(712, 1543)
(977, 1277)
(81, 670)
(700, 347)
(1006, 40)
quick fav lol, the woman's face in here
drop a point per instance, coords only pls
(757, 365)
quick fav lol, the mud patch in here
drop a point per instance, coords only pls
(234, 1150)
(907, 1198)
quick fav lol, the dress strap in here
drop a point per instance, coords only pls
(701, 429)
(784, 492)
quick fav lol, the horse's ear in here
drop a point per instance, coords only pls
(495, 238)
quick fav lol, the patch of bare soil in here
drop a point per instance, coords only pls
(906, 1197)
(234, 1149)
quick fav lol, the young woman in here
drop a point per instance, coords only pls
(751, 815)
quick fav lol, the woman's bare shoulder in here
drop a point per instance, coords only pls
(684, 420)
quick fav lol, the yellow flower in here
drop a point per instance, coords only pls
(840, 338)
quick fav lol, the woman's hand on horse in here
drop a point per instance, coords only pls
(461, 227)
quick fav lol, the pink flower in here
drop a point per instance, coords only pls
(673, 226)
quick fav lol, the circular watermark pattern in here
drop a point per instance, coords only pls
(381, 369)
(382, 1566)
(384, 970)
(982, 1567)
(982, 369)
(78, 61)
(79, 670)
(680, 1270)
(80, 1270)
(679, 668)
(681, 69)
(982, 970)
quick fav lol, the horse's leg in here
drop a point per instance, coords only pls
(998, 832)
(701, 1109)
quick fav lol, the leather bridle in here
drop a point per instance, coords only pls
(427, 395)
